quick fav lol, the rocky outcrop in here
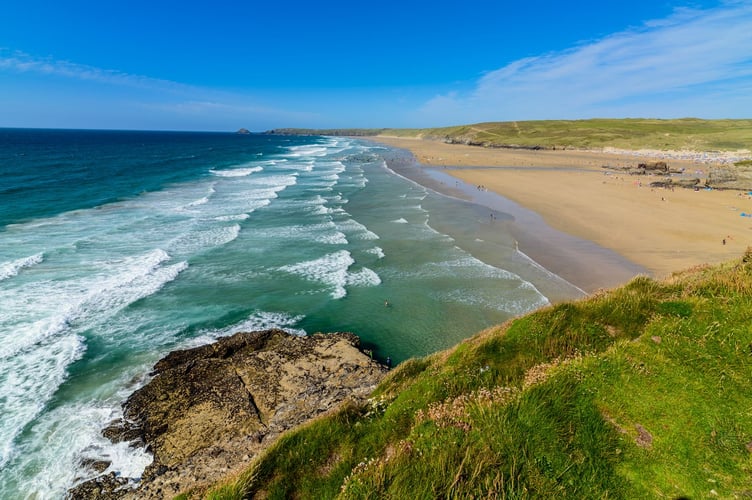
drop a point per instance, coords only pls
(647, 168)
(654, 166)
(208, 411)
(243, 131)
(681, 183)
(731, 177)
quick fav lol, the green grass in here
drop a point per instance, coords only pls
(688, 133)
(638, 392)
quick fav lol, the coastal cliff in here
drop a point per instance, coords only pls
(636, 392)
(209, 410)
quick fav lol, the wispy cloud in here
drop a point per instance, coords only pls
(665, 66)
(22, 62)
(167, 102)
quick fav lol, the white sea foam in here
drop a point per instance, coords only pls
(467, 266)
(271, 182)
(401, 220)
(364, 277)
(368, 235)
(307, 150)
(237, 172)
(257, 321)
(492, 300)
(330, 270)
(28, 381)
(201, 201)
(471, 268)
(433, 233)
(71, 433)
(231, 218)
(10, 269)
(66, 306)
(325, 232)
(332, 238)
(356, 229)
(336, 166)
(36, 358)
(204, 239)
(298, 166)
(321, 210)
(475, 268)
(377, 251)
(205, 199)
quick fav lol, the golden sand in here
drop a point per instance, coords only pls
(661, 229)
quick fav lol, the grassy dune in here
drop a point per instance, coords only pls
(688, 133)
(638, 392)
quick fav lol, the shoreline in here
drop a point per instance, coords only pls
(651, 231)
(573, 266)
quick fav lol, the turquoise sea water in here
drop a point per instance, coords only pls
(118, 247)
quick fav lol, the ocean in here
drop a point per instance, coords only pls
(118, 247)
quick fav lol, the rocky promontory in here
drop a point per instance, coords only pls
(726, 177)
(210, 410)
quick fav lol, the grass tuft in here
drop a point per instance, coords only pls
(637, 392)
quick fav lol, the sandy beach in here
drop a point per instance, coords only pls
(659, 229)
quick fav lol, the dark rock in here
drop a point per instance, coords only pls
(211, 409)
(107, 487)
(731, 177)
(654, 166)
(123, 431)
(243, 131)
(95, 465)
(661, 184)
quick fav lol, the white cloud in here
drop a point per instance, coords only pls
(25, 63)
(162, 103)
(638, 72)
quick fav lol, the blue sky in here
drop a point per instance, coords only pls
(191, 66)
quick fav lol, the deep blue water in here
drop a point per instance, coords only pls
(47, 172)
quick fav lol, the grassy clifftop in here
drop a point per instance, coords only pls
(629, 133)
(687, 133)
(638, 392)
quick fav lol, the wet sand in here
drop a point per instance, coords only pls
(595, 229)
(584, 265)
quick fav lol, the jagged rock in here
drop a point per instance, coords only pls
(731, 177)
(210, 410)
(662, 184)
(688, 183)
(106, 487)
(121, 431)
(94, 464)
(243, 131)
(654, 166)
